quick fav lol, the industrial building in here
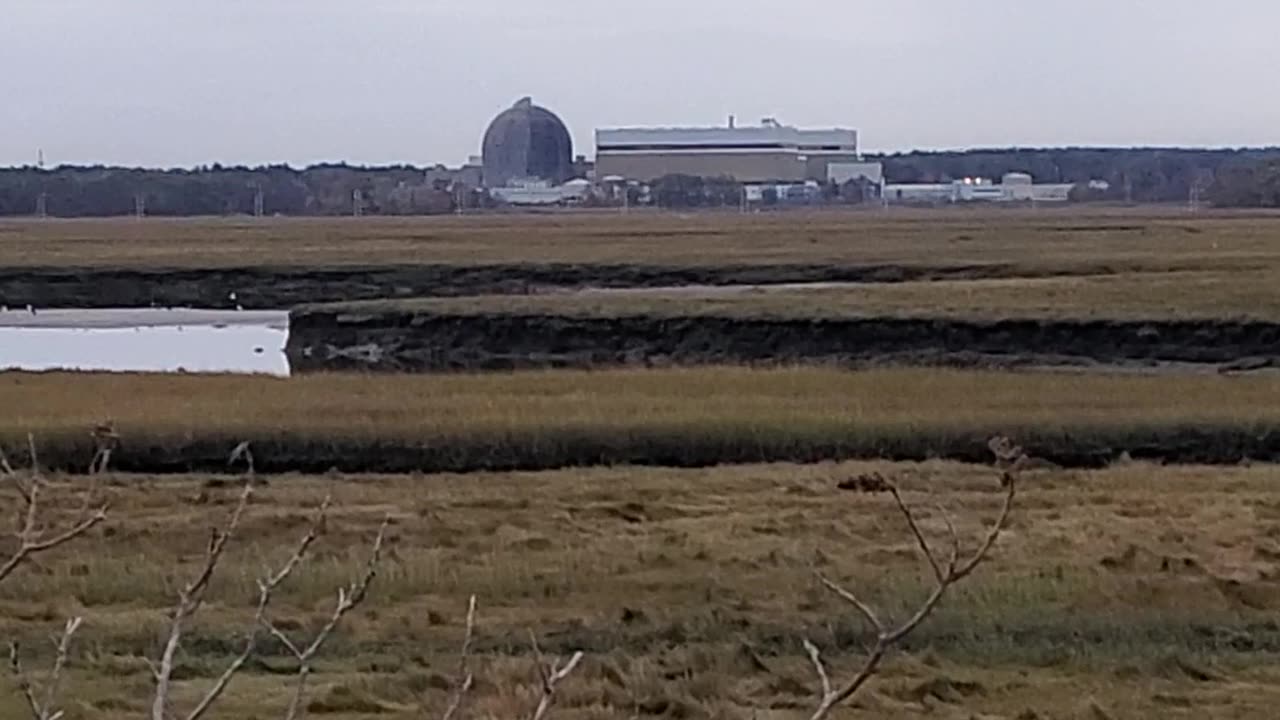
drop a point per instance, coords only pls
(527, 143)
(769, 152)
(1013, 187)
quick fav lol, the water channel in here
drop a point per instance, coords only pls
(145, 340)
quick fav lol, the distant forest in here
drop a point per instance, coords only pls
(1227, 178)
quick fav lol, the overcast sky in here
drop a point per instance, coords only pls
(186, 82)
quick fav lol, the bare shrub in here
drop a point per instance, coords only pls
(31, 534)
(1010, 459)
(551, 672)
(191, 597)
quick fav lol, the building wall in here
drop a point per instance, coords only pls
(782, 165)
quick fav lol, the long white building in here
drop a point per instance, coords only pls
(769, 152)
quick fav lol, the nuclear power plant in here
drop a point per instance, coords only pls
(527, 143)
(527, 158)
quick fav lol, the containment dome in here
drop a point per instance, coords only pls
(527, 142)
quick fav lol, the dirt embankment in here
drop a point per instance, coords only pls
(1212, 444)
(266, 288)
(330, 339)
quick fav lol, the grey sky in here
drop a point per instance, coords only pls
(184, 82)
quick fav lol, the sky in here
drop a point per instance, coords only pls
(194, 82)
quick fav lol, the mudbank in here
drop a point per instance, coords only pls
(331, 338)
(595, 446)
(269, 288)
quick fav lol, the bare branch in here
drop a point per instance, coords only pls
(349, 598)
(1010, 459)
(24, 683)
(465, 677)
(30, 539)
(189, 600)
(1011, 490)
(853, 600)
(10, 474)
(266, 587)
(551, 674)
(45, 709)
(35, 458)
(917, 532)
(815, 656)
(105, 442)
(954, 560)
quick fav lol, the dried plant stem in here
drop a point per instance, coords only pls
(466, 679)
(44, 709)
(31, 540)
(189, 600)
(349, 598)
(266, 588)
(551, 673)
(946, 574)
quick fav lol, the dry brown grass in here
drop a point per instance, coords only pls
(546, 419)
(1147, 590)
(1066, 238)
(1155, 295)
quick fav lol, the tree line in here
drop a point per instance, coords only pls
(1137, 175)
(1228, 178)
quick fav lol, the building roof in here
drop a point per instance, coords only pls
(770, 135)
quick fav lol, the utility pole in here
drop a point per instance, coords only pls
(42, 200)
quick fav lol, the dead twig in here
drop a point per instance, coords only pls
(946, 573)
(466, 679)
(190, 598)
(349, 598)
(266, 588)
(105, 442)
(46, 708)
(31, 538)
(7, 471)
(551, 674)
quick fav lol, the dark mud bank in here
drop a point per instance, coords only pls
(267, 288)
(1082, 447)
(331, 339)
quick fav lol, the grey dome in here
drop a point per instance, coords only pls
(527, 141)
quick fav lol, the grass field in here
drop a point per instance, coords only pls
(649, 541)
(1160, 295)
(683, 416)
(1059, 239)
(1146, 591)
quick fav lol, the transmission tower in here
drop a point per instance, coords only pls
(259, 201)
(139, 205)
(357, 203)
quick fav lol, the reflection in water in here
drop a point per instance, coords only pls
(164, 348)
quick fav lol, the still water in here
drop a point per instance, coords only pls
(145, 340)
